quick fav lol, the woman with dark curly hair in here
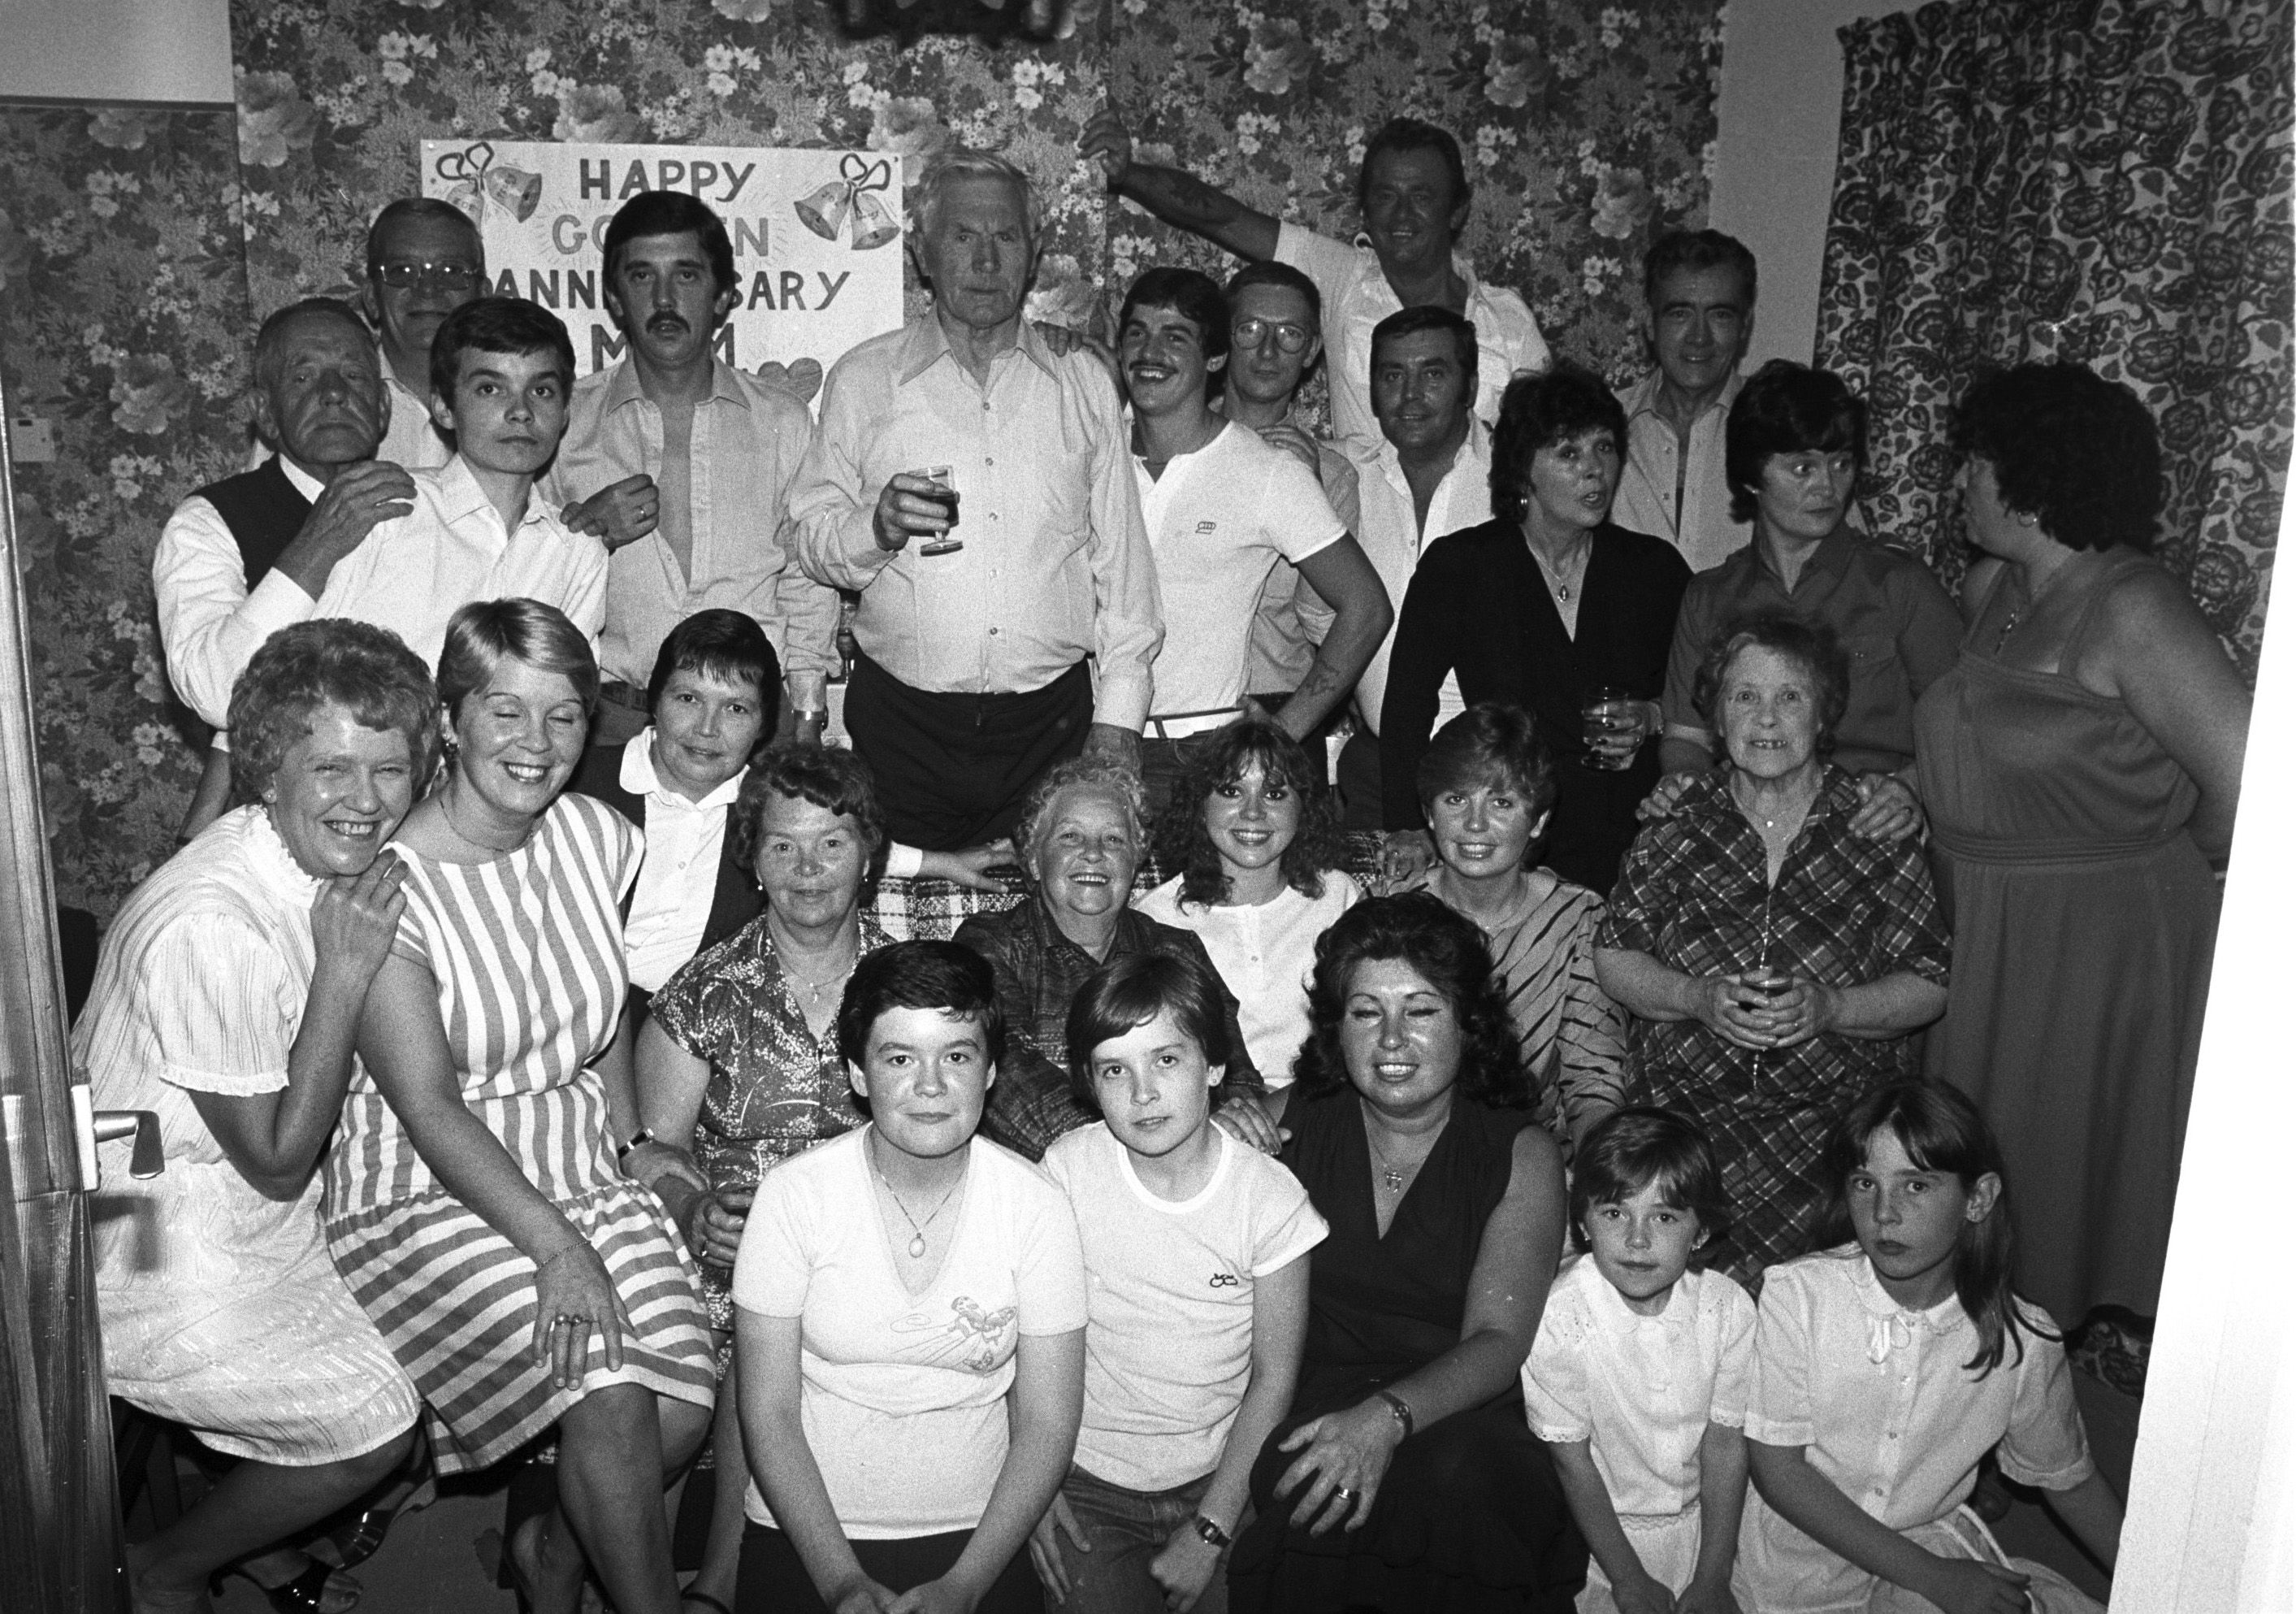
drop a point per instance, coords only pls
(1260, 879)
(2080, 765)
(1553, 607)
(1774, 956)
(1406, 1478)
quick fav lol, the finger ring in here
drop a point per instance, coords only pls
(567, 1318)
(1343, 1494)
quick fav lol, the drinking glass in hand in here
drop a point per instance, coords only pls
(1610, 717)
(945, 484)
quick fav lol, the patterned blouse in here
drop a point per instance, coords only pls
(775, 1089)
(1694, 893)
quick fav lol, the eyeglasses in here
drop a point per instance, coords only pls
(1251, 333)
(434, 276)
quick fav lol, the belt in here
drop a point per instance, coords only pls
(1180, 725)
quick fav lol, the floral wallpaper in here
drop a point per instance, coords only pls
(1588, 128)
(124, 323)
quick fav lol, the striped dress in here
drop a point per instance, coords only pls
(1573, 1035)
(527, 954)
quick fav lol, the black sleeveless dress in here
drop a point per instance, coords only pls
(1469, 1517)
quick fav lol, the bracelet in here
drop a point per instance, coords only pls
(1212, 1534)
(1400, 1408)
(810, 713)
(644, 1134)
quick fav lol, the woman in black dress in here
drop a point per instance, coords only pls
(1544, 606)
(1406, 1478)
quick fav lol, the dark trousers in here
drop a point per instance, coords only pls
(952, 770)
(1360, 803)
(772, 1578)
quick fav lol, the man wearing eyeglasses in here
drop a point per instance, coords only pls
(424, 259)
(1275, 316)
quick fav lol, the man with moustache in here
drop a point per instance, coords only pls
(1430, 475)
(246, 556)
(682, 466)
(1698, 287)
(1223, 506)
(424, 259)
(1413, 195)
(971, 677)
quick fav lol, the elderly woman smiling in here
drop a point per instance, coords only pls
(225, 1001)
(739, 1063)
(1774, 958)
(1080, 838)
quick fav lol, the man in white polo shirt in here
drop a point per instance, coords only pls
(1222, 506)
(1413, 195)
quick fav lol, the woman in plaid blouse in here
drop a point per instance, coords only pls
(1773, 961)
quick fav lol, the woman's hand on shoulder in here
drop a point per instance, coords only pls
(1343, 1458)
(1404, 860)
(1664, 796)
(1887, 808)
(355, 918)
(1247, 1118)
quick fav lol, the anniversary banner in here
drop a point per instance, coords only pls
(816, 235)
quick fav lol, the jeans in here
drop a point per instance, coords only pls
(1127, 1529)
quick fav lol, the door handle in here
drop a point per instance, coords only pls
(96, 1126)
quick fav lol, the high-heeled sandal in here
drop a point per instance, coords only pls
(306, 1594)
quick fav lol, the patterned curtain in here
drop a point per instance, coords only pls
(2105, 180)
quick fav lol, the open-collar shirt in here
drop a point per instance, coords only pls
(1394, 540)
(1699, 522)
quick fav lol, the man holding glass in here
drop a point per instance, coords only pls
(976, 619)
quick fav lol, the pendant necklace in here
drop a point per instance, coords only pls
(917, 1244)
(814, 989)
(1558, 579)
(1391, 1174)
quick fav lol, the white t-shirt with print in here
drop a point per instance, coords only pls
(903, 1400)
(1640, 1390)
(1168, 1352)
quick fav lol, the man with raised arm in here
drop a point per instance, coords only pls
(1223, 506)
(682, 466)
(978, 612)
(1698, 287)
(1413, 195)
(424, 259)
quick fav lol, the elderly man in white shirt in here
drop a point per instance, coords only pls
(983, 591)
(320, 401)
(424, 259)
(1699, 286)
(1430, 475)
(1414, 193)
(1223, 506)
(682, 464)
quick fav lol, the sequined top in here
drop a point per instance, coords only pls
(776, 1089)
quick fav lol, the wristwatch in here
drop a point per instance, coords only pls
(1212, 1534)
(1400, 1408)
(644, 1134)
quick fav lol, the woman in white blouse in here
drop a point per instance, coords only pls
(227, 1001)
(910, 1324)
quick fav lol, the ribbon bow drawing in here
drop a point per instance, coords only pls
(477, 179)
(856, 193)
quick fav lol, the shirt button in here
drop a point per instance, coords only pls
(993, 632)
(987, 462)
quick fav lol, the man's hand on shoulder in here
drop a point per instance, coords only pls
(360, 499)
(1115, 745)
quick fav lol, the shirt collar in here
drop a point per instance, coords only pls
(1890, 1327)
(310, 486)
(1708, 795)
(273, 863)
(639, 778)
(459, 495)
(1474, 450)
(925, 344)
(1832, 555)
(1672, 1316)
(623, 386)
(1642, 397)
(1050, 937)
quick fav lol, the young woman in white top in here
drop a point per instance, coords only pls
(1195, 1250)
(910, 1314)
(1255, 834)
(1638, 1380)
(1885, 1368)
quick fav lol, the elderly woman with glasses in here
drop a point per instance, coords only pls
(1080, 841)
(226, 1002)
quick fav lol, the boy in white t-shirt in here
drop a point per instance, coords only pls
(1638, 1380)
(1195, 1250)
(910, 1317)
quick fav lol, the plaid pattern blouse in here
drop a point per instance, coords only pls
(1694, 893)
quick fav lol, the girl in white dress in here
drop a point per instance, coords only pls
(1638, 1379)
(1885, 1368)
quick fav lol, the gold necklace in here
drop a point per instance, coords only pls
(1557, 579)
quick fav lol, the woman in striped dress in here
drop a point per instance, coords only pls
(1486, 784)
(477, 1201)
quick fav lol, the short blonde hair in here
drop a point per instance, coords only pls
(482, 633)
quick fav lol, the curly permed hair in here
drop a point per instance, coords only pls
(1184, 844)
(2073, 450)
(1450, 952)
